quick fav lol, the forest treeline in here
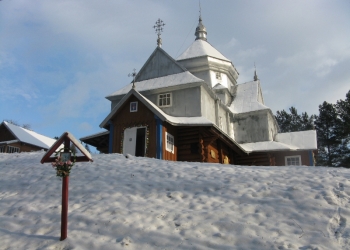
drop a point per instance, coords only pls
(332, 125)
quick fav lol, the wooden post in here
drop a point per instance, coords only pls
(64, 213)
(65, 188)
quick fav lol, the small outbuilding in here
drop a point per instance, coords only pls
(15, 139)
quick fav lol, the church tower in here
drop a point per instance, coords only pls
(207, 63)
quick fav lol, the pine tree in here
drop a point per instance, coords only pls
(343, 109)
(329, 136)
(294, 122)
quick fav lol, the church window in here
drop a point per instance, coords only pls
(169, 142)
(294, 160)
(2, 149)
(164, 100)
(133, 106)
(218, 75)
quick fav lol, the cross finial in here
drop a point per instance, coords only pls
(133, 74)
(255, 75)
(159, 28)
(201, 31)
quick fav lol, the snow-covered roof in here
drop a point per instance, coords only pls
(201, 48)
(219, 86)
(266, 146)
(160, 82)
(8, 142)
(247, 98)
(30, 137)
(106, 132)
(302, 139)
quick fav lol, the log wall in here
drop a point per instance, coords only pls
(126, 119)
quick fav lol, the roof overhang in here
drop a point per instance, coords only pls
(8, 142)
(65, 139)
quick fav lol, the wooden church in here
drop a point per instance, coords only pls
(192, 109)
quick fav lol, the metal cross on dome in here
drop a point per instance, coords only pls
(159, 28)
(133, 74)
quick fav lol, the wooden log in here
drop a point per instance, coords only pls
(187, 141)
(190, 159)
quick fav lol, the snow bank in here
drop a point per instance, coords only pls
(141, 203)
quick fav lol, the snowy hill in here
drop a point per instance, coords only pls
(141, 203)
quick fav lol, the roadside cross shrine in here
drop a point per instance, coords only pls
(63, 162)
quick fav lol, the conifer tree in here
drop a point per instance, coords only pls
(292, 122)
(343, 109)
(329, 137)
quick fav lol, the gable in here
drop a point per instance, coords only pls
(159, 64)
(5, 134)
(125, 116)
(28, 136)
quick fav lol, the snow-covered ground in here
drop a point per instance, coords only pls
(141, 203)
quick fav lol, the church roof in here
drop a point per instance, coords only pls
(157, 65)
(301, 140)
(219, 86)
(266, 146)
(201, 48)
(160, 82)
(30, 137)
(248, 98)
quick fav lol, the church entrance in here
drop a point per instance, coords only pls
(135, 141)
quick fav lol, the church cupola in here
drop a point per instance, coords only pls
(201, 31)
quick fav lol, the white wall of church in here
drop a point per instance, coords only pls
(273, 127)
(217, 77)
(252, 127)
(222, 119)
(185, 102)
(207, 105)
(204, 75)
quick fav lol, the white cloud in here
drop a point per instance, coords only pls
(324, 66)
(320, 60)
(85, 126)
(251, 53)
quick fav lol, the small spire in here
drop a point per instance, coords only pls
(159, 28)
(201, 31)
(133, 74)
(255, 75)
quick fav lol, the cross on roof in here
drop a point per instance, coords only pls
(159, 28)
(133, 74)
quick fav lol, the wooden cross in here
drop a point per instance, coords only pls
(66, 139)
(133, 74)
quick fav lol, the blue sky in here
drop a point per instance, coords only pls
(59, 59)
